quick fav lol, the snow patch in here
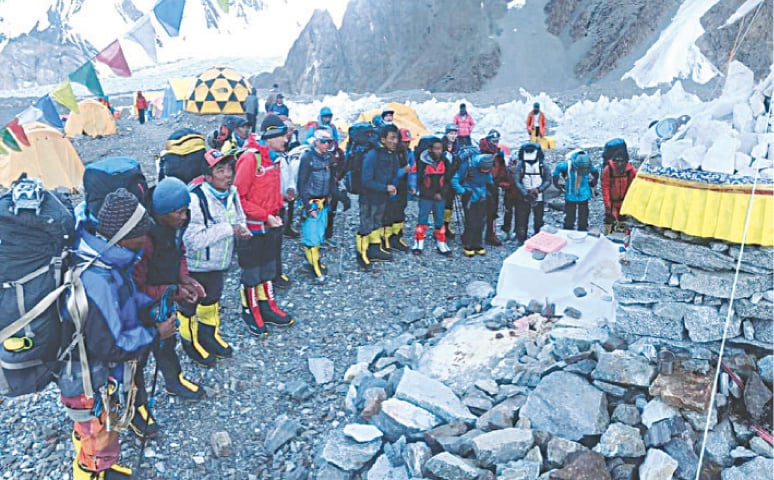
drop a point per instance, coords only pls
(675, 54)
(516, 4)
(742, 11)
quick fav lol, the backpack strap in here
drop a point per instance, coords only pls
(205, 208)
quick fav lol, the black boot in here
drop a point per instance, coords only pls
(374, 250)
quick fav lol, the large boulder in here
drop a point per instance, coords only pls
(566, 405)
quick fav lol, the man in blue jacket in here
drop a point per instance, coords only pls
(378, 184)
(471, 182)
(118, 327)
(581, 177)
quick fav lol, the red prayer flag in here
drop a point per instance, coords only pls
(113, 57)
(18, 131)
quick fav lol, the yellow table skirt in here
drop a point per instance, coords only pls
(700, 209)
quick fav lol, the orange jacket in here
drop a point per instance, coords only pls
(541, 123)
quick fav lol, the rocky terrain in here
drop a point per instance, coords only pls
(266, 382)
(470, 46)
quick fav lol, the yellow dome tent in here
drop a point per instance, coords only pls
(218, 90)
(94, 120)
(404, 117)
(50, 157)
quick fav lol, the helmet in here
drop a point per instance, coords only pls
(493, 135)
(377, 121)
(581, 161)
(615, 149)
(536, 105)
(405, 135)
(326, 112)
(684, 119)
(451, 127)
(529, 152)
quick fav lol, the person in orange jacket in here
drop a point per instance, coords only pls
(536, 123)
(617, 175)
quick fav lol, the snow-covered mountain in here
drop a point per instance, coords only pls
(30, 30)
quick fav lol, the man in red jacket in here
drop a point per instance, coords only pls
(536, 123)
(258, 182)
(617, 175)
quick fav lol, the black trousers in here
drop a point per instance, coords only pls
(522, 218)
(395, 209)
(167, 362)
(251, 121)
(492, 206)
(582, 211)
(509, 212)
(475, 220)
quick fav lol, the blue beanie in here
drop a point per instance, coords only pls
(169, 195)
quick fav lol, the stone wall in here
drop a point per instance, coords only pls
(677, 287)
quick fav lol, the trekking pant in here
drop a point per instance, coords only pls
(259, 256)
(509, 212)
(522, 218)
(213, 285)
(250, 121)
(426, 206)
(464, 140)
(475, 220)
(371, 216)
(582, 210)
(395, 209)
(334, 203)
(167, 362)
(141, 115)
(99, 448)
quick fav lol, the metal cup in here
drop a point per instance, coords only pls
(666, 362)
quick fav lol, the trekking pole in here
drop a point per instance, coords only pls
(459, 214)
(165, 308)
(342, 240)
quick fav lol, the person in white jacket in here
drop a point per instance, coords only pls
(216, 222)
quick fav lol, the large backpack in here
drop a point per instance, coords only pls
(108, 175)
(183, 155)
(37, 229)
(362, 138)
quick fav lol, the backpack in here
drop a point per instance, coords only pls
(424, 144)
(37, 229)
(183, 156)
(362, 138)
(110, 174)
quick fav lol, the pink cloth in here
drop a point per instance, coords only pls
(464, 125)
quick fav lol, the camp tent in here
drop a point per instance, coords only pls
(404, 117)
(218, 90)
(94, 120)
(50, 157)
(178, 89)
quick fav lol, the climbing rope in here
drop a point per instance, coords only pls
(729, 315)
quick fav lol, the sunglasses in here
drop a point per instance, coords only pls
(325, 140)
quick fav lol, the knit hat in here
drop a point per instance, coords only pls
(272, 126)
(387, 111)
(170, 195)
(116, 211)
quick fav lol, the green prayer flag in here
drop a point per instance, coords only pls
(86, 75)
(9, 140)
(63, 94)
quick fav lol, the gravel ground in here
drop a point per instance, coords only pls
(247, 393)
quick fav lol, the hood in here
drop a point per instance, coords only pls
(426, 158)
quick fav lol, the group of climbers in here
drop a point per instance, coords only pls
(179, 251)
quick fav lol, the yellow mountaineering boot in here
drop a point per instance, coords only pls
(209, 330)
(361, 244)
(115, 472)
(374, 250)
(396, 238)
(189, 337)
(447, 222)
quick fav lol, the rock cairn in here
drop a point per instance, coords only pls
(508, 393)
